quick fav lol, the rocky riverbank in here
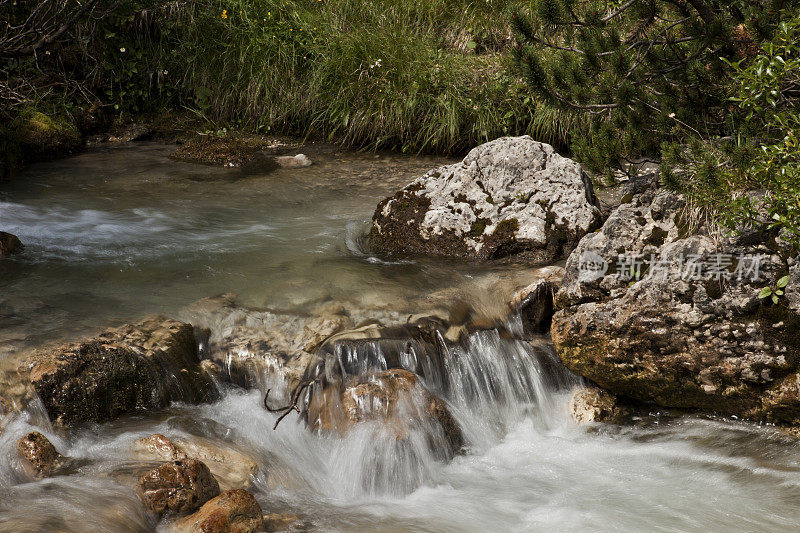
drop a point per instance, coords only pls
(655, 306)
(35, 137)
(342, 371)
(653, 309)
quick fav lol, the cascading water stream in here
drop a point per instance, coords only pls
(108, 244)
(489, 383)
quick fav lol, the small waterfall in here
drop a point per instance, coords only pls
(488, 383)
(493, 382)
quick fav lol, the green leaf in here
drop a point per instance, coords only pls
(784, 281)
(774, 299)
(766, 291)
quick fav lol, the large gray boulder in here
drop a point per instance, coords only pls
(511, 196)
(690, 331)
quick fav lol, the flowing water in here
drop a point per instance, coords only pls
(117, 233)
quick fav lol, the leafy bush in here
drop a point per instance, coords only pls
(764, 154)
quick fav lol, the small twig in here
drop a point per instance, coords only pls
(294, 397)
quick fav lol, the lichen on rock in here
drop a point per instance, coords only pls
(512, 196)
(673, 336)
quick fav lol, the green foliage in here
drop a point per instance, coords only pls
(427, 75)
(431, 75)
(774, 292)
(641, 72)
(763, 156)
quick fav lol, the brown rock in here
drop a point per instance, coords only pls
(231, 467)
(317, 329)
(9, 244)
(39, 455)
(134, 367)
(279, 522)
(233, 511)
(158, 445)
(533, 307)
(394, 397)
(178, 487)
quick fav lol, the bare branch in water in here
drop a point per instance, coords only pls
(294, 397)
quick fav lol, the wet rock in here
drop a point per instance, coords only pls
(296, 161)
(531, 308)
(233, 511)
(317, 329)
(132, 133)
(9, 244)
(394, 397)
(252, 346)
(681, 336)
(230, 466)
(159, 446)
(279, 522)
(178, 487)
(593, 404)
(252, 153)
(511, 196)
(42, 137)
(359, 352)
(144, 366)
(39, 456)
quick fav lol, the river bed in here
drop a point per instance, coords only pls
(120, 232)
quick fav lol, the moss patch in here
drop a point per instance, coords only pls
(478, 227)
(40, 136)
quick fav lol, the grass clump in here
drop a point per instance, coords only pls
(416, 76)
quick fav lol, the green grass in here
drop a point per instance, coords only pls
(427, 75)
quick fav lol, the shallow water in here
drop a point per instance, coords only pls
(121, 232)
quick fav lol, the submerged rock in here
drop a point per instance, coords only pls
(511, 196)
(159, 446)
(233, 511)
(230, 466)
(252, 346)
(692, 332)
(293, 161)
(274, 522)
(178, 487)
(134, 367)
(40, 457)
(9, 244)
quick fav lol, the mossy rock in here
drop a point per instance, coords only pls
(41, 137)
